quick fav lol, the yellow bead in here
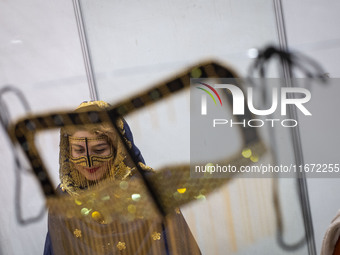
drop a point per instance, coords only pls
(181, 190)
(156, 236)
(78, 202)
(97, 217)
(132, 209)
(77, 233)
(121, 246)
(246, 153)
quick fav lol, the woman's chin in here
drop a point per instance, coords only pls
(92, 178)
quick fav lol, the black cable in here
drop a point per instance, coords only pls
(312, 70)
(5, 123)
(309, 67)
(4, 109)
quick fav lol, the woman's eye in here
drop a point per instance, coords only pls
(79, 151)
(100, 151)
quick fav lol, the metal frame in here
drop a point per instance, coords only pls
(295, 133)
(85, 50)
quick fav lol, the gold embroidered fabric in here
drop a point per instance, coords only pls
(109, 216)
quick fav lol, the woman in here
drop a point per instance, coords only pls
(110, 209)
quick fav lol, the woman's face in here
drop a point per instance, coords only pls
(90, 154)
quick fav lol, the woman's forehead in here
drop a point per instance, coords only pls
(83, 136)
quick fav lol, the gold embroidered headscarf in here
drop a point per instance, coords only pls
(119, 167)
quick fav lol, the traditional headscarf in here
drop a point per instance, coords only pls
(120, 167)
(111, 218)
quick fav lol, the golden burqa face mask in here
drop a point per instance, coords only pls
(89, 152)
(92, 154)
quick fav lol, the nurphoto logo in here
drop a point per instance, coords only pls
(240, 101)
